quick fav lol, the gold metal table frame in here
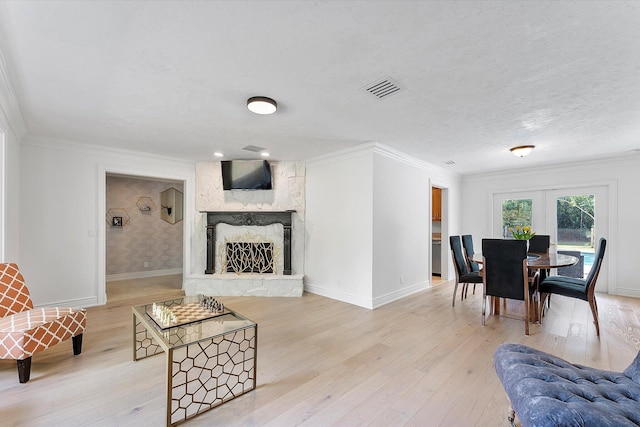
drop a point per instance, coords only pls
(209, 361)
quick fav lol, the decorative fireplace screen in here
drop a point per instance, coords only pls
(249, 257)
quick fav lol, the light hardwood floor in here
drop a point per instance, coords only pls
(415, 362)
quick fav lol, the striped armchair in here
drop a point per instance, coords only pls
(24, 330)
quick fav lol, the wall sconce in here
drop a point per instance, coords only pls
(522, 150)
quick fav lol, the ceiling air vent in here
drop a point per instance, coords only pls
(383, 88)
(449, 162)
(254, 148)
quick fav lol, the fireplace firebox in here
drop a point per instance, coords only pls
(252, 218)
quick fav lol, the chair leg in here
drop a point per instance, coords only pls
(511, 416)
(527, 316)
(541, 303)
(594, 311)
(455, 290)
(24, 370)
(77, 344)
(484, 308)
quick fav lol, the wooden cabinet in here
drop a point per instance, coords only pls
(436, 204)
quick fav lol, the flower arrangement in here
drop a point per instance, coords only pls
(522, 233)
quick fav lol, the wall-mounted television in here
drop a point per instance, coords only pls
(246, 175)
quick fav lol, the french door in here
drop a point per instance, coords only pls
(574, 218)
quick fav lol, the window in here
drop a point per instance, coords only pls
(515, 212)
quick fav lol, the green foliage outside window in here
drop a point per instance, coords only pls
(515, 213)
(575, 219)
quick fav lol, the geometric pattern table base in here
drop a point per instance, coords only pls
(202, 371)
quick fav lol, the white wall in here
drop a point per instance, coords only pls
(10, 170)
(11, 129)
(339, 233)
(62, 239)
(621, 176)
(401, 228)
(368, 224)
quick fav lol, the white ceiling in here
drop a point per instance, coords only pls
(477, 77)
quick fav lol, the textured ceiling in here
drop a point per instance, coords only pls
(477, 77)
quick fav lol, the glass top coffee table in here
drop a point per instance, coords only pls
(210, 354)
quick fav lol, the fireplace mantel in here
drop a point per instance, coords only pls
(240, 218)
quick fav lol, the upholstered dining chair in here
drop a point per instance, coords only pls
(573, 287)
(576, 270)
(505, 275)
(467, 244)
(463, 275)
(540, 243)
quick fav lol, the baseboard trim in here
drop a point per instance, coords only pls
(76, 303)
(368, 303)
(340, 296)
(142, 274)
(626, 292)
(400, 293)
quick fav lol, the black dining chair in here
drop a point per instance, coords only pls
(463, 275)
(576, 270)
(573, 287)
(467, 244)
(540, 243)
(505, 273)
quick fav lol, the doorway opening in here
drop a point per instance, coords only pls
(437, 248)
(141, 246)
(574, 218)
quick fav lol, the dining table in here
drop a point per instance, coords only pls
(537, 260)
(541, 261)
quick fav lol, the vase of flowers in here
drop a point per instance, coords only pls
(522, 233)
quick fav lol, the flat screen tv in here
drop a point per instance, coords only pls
(246, 175)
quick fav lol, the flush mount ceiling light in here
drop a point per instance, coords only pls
(261, 105)
(522, 150)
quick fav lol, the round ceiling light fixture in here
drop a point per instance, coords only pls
(522, 150)
(262, 105)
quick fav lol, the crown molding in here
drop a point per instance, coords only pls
(369, 148)
(10, 114)
(56, 144)
(629, 158)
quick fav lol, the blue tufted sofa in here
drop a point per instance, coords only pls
(545, 390)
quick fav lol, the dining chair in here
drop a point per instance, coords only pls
(573, 287)
(540, 243)
(576, 270)
(463, 275)
(504, 273)
(467, 244)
